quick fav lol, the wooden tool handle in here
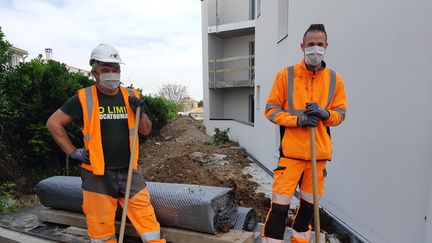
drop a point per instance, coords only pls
(129, 178)
(315, 187)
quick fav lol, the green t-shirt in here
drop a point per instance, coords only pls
(114, 127)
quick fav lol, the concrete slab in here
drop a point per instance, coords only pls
(9, 236)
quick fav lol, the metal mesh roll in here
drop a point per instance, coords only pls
(198, 208)
(246, 219)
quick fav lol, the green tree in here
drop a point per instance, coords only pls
(201, 103)
(160, 111)
(30, 93)
(4, 52)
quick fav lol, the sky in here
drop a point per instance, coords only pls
(158, 40)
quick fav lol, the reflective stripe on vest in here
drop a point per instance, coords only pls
(92, 131)
(290, 91)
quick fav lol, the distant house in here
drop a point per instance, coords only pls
(49, 56)
(188, 104)
(18, 56)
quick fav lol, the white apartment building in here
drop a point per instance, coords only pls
(379, 182)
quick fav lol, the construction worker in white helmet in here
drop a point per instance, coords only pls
(106, 112)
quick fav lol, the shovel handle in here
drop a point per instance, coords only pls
(315, 187)
(129, 178)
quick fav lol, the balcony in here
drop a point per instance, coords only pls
(232, 72)
(233, 29)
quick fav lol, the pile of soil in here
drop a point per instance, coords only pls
(167, 158)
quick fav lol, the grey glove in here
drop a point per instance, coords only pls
(80, 154)
(306, 121)
(313, 109)
(134, 102)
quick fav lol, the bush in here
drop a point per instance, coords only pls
(160, 111)
(220, 137)
(30, 93)
(7, 202)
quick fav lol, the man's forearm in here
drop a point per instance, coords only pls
(145, 125)
(61, 138)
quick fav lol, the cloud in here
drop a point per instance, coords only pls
(160, 41)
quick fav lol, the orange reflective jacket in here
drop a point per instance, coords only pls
(293, 87)
(92, 130)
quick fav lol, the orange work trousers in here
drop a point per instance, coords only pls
(287, 176)
(101, 194)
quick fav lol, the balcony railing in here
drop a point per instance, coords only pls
(232, 72)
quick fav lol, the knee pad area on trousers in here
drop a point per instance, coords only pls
(275, 224)
(304, 216)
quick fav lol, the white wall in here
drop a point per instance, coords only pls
(236, 103)
(229, 11)
(235, 47)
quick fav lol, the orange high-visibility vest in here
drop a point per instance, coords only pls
(91, 128)
(293, 87)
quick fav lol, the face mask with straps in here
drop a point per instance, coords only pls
(314, 55)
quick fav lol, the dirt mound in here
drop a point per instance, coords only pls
(185, 130)
(168, 159)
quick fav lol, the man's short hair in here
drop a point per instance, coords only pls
(315, 27)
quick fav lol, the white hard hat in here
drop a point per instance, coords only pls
(105, 53)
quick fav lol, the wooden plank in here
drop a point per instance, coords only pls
(9, 236)
(229, 59)
(233, 69)
(170, 234)
(233, 83)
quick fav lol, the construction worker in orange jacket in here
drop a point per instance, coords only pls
(305, 95)
(106, 112)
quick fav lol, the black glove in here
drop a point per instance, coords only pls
(306, 121)
(80, 154)
(313, 109)
(134, 102)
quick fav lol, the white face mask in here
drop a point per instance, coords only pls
(314, 55)
(110, 80)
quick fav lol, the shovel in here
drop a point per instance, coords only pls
(315, 187)
(129, 178)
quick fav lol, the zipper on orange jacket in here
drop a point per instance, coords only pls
(313, 77)
(311, 100)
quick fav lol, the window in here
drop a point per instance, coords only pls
(251, 109)
(282, 20)
(252, 60)
(251, 9)
(258, 97)
(258, 8)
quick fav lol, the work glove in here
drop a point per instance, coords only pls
(313, 109)
(306, 121)
(134, 102)
(80, 154)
